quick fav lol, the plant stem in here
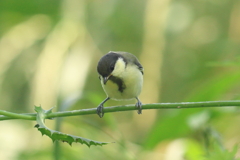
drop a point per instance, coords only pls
(10, 115)
(32, 116)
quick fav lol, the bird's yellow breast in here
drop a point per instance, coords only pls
(132, 79)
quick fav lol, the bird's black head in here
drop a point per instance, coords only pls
(107, 63)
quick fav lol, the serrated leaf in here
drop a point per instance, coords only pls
(59, 136)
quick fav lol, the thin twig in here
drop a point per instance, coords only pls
(32, 116)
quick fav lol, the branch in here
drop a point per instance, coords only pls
(5, 115)
(32, 116)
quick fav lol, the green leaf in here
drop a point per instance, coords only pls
(56, 135)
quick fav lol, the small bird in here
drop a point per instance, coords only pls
(121, 77)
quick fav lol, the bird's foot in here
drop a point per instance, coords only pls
(100, 110)
(139, 106)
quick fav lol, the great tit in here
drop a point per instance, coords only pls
(121, 77)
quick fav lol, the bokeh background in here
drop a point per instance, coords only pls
(190, 51)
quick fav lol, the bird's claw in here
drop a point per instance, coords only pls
(100, 110)
(139, 107)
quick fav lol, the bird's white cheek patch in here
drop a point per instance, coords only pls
(119, 68)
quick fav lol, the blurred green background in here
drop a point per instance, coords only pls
(190, 51)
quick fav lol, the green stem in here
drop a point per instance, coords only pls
(10, 115)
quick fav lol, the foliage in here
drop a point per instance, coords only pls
(56, 135)
(223, 154)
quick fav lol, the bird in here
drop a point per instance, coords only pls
(121, 76)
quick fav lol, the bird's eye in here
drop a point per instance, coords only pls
(112, 67)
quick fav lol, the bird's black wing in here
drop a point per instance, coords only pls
(140, 67)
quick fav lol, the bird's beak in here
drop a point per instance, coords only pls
(105, 79)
